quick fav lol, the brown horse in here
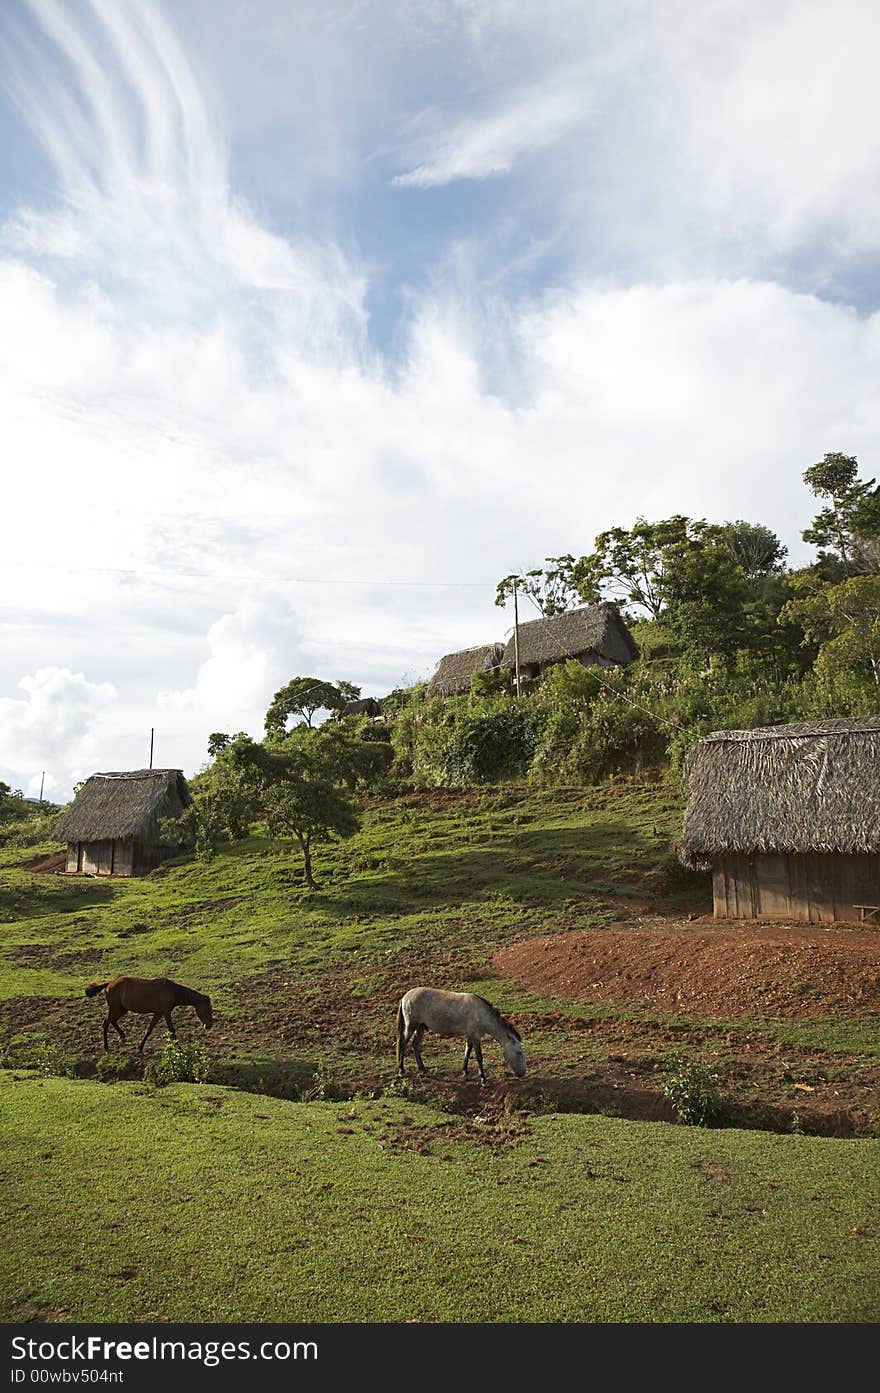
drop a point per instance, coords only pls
(143, 995)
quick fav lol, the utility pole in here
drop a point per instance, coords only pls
(516, 637)
(42, 777)
(151, 746)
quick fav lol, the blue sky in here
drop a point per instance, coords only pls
(320, 318)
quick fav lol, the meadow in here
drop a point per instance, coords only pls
(303, 1181)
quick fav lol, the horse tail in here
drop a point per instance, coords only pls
(94, 987)
(401, 1032)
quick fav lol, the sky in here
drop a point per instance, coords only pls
(320, 318)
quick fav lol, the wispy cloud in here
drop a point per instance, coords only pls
(218, 482)
(480, 147)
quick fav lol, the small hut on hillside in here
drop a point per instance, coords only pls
(453, 674)
(112, 825)
(788, 818)
(362, 706)
(594, 634)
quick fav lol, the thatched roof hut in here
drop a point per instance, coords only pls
(594, 634)
(789, 819)
(453, 674)
(112, 825)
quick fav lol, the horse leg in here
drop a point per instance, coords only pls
(112, 1020)
(416, 1041)
(148, 1032)
(467, 1057)
(478, 1051)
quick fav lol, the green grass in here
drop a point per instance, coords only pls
(498, 865)
(196, 1203)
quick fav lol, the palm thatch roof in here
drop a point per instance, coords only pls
(813, 787)
(112, 806)
(453, 674)
(596, 631)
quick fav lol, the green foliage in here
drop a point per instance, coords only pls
(552, 590)
(756, 549)
(844, 620)
(847, 528)
(303, 697)
(467, 740)
(179, 1062)
(23, 823)
(691, 1087)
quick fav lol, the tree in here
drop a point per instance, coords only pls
(302, 697)
(552, 590)
(304, 782)
(846, 530)
(844, 619)
(755, 548)
(630, 566)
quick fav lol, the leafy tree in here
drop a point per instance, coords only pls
(844, 619)
(304, 782)
(303, 696)
(630, 565)
(552, 590)
(679, 568)
(846, 529)
(705, 594)
(755, 548)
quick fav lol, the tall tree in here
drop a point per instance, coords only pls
(845, 529)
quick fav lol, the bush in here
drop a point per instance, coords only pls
(178, 1063)
(691, 1089)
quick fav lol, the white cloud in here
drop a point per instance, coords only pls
(218, 485)
(491, 144)
(53, 728)
(252, 652)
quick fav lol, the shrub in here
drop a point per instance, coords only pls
(178, 1063)
(691, 1089)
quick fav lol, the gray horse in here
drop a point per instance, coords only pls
(455, 1013)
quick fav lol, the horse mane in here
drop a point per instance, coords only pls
(189, 996)
(501, 1019)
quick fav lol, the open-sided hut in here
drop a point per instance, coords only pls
(594, 634)
(788, 818)
(453, 674)
(112, 825)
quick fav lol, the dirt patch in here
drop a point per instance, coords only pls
(709, 993)
(789, 973)
(206, 906)
(44, 955)
(52, 864)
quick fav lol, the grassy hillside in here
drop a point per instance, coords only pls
(438, 867)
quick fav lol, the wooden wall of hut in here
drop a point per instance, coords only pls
(813, 888)
(123, 856)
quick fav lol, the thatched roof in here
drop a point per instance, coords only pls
(110, 806)
(596, 631)
(454, 672)
(795, 788)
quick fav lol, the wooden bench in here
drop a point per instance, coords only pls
(868, 913)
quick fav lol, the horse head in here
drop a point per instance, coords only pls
(204, 1013)
(513, 1053)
